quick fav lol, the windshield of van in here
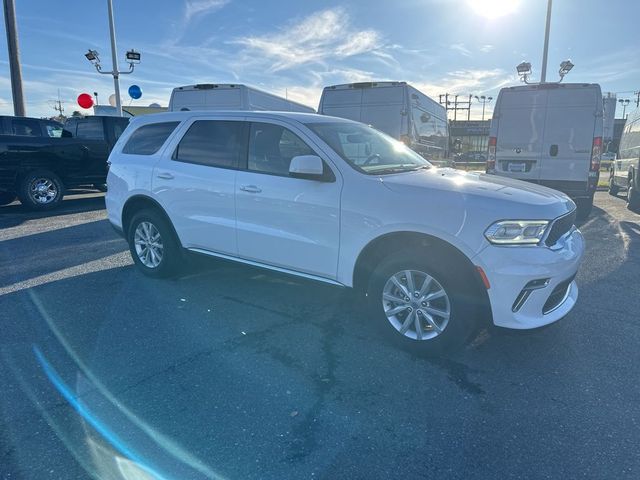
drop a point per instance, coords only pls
(368, 150)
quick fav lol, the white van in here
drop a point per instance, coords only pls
(210, 96)
(625, 171)
(395, 108)
(549, 134)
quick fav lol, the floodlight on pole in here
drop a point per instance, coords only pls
(524, 70)
(565, 67)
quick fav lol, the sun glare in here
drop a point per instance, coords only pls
(494, 8)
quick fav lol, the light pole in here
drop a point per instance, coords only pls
(484, 101)
(545, 51)
(132, 56)
(624, 103)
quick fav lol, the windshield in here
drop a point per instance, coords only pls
(368, 150)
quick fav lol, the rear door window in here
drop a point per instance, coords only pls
(25, 127)
(148, 139)
(90, 128)
(217, 143)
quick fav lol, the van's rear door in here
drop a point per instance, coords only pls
(568, 137)
(521, 119)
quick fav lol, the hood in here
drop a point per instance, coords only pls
(499, 193)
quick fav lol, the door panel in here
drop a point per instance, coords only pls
(289, 222)
(520, 134)
(568, 130)
(200, 202)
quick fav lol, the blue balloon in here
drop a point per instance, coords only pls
(135, 92)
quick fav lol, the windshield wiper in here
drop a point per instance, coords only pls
(399, 169)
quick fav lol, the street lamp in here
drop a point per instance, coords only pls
(132, 57)
(524, 70)
(484, 101)
(624, 103)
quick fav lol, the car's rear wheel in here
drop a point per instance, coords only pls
(420, 304)
(41, 190)
(633, 196)
(153, 244)
(613, 188)
(585, 205)
(6, 198)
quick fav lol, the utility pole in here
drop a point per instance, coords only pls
(545, 51)
(14, 58)
(637, 94)
(57, 106)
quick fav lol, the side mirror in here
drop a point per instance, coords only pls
(307, 166)
(66, 134)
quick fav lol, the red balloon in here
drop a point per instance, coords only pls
(85, 100)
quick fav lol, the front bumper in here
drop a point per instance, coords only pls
(510, 269)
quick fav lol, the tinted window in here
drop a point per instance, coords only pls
(148, 139)
(213, 142)
(25, 127)
(119, 126)
(271, 148)
(90, 128)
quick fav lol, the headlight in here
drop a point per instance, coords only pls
(516, 232)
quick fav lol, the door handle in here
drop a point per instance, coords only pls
(250, 188)
(165, 175)
(553, 150)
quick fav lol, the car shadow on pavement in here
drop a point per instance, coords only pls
(25, 257)
(16, 214)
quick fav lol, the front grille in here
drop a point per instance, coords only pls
(557, 296)
(559, 227)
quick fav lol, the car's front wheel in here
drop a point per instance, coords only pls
(421, 304)
(153, 244)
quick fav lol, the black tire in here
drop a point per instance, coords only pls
(585, 205)
(171, 258)
(613, 188)
(463, 318)
(101, 187)
(633, 196)
(6, 198)
(35, 199)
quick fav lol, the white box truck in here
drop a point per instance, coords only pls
(549, 134)
(395, 108)
(211, 96)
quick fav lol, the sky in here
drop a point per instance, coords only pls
(294, 48)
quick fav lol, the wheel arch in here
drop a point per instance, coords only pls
(142, 202)
(383, 245)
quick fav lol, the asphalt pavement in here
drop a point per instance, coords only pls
(233, 372)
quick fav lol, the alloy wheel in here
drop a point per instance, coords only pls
(416, 304)
(148, 244)
(43, 191)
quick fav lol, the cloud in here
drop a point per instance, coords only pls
(461, 49)
(194, 8)
(323, 35)
(486, 48)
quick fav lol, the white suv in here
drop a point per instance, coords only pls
(435, 250)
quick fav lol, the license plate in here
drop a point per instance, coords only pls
(517, 167)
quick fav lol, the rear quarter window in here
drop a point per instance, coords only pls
(148, 139)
